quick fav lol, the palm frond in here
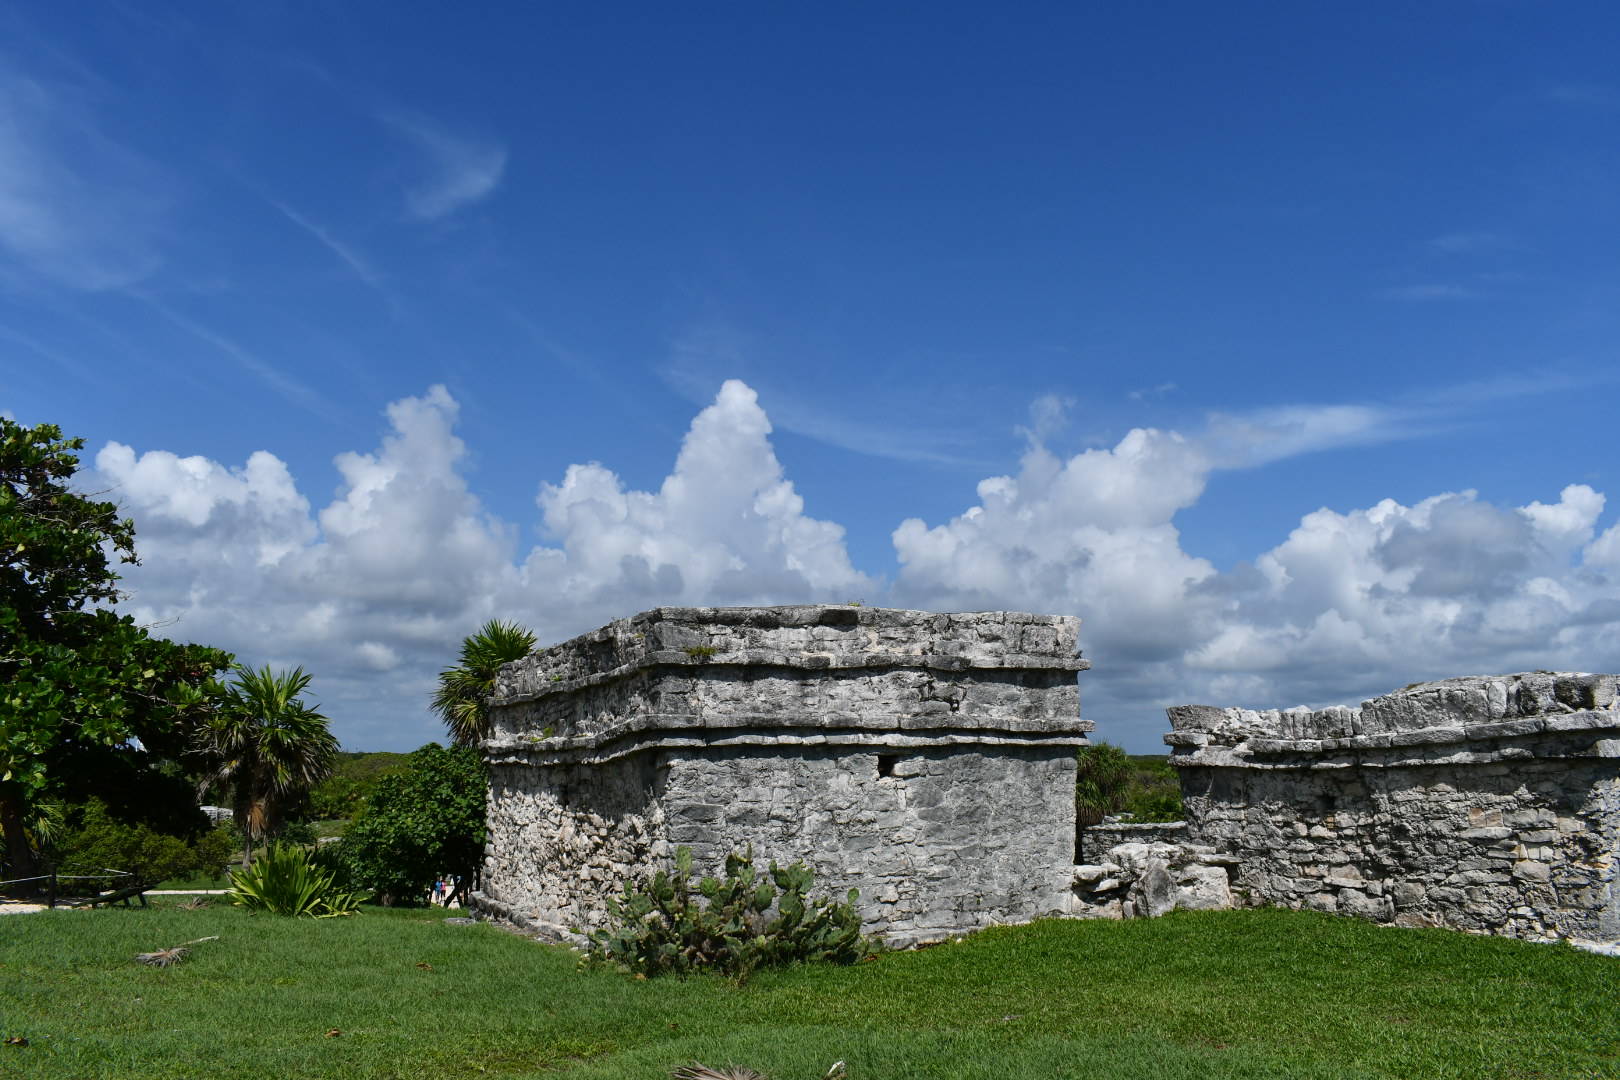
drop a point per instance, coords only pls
(697, 1071)
(265, 746)
(462, 696)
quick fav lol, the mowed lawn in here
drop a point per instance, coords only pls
(1253, 994)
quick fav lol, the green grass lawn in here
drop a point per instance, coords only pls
(1251, 994)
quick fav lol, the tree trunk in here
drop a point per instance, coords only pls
(20, 860)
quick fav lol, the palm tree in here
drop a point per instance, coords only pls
(1103, 778)
(462, 699)
(267, 747)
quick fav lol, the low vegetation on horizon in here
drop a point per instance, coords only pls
(1257, 994)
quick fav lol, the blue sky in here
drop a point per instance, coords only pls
(1275, 341)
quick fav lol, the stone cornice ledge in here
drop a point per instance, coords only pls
(624, 739)
(1555, 736)
(807, 637)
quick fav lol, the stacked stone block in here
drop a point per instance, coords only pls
(926, 760)
(1489, 804)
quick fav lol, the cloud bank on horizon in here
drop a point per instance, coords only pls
(374, 591)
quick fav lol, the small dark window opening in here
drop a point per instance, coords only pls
(886, 764)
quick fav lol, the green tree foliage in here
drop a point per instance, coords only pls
(267, 748)
(91, 705)
(462, 698)
(354, 777)
(746, 921)
(99, 839)
(424, 821)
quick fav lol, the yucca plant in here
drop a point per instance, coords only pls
(285, 881)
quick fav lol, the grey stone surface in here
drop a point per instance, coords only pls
(1489, 803)
(1097, 840)
(1150, 877)
(926, 760)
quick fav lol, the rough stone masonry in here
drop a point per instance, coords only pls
(927, 760)
(1489, 804)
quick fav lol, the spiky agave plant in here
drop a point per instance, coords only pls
(462, 697)
(286, 881)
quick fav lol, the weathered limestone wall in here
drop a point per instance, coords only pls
(564, 844)
(1152, 876)
(927, 760)
(1098, 840)
(953, 838)
(1489, 804)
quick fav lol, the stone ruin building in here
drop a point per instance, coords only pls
(929, 761)
(1489, 804)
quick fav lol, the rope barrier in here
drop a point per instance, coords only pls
(68, 877)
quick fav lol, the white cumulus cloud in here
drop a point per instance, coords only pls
(726, 527)
(373, 592)
(1350, 604)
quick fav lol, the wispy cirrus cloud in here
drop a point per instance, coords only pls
(1146, 393)
(1469, 243)
(77, 207)
(362, 268)
(456, 170)
(1266, 435)
(1584, 95)
(273, 377)
(1418, 294)
(347, 255)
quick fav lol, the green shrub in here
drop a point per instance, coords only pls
(744, 922)
(1154, 790)
(286, 881)
(333, 859)
(422, 821)
(298, 833)
(1109, 781)
(96, 840)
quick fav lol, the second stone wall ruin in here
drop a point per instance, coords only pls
(1489, 804)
